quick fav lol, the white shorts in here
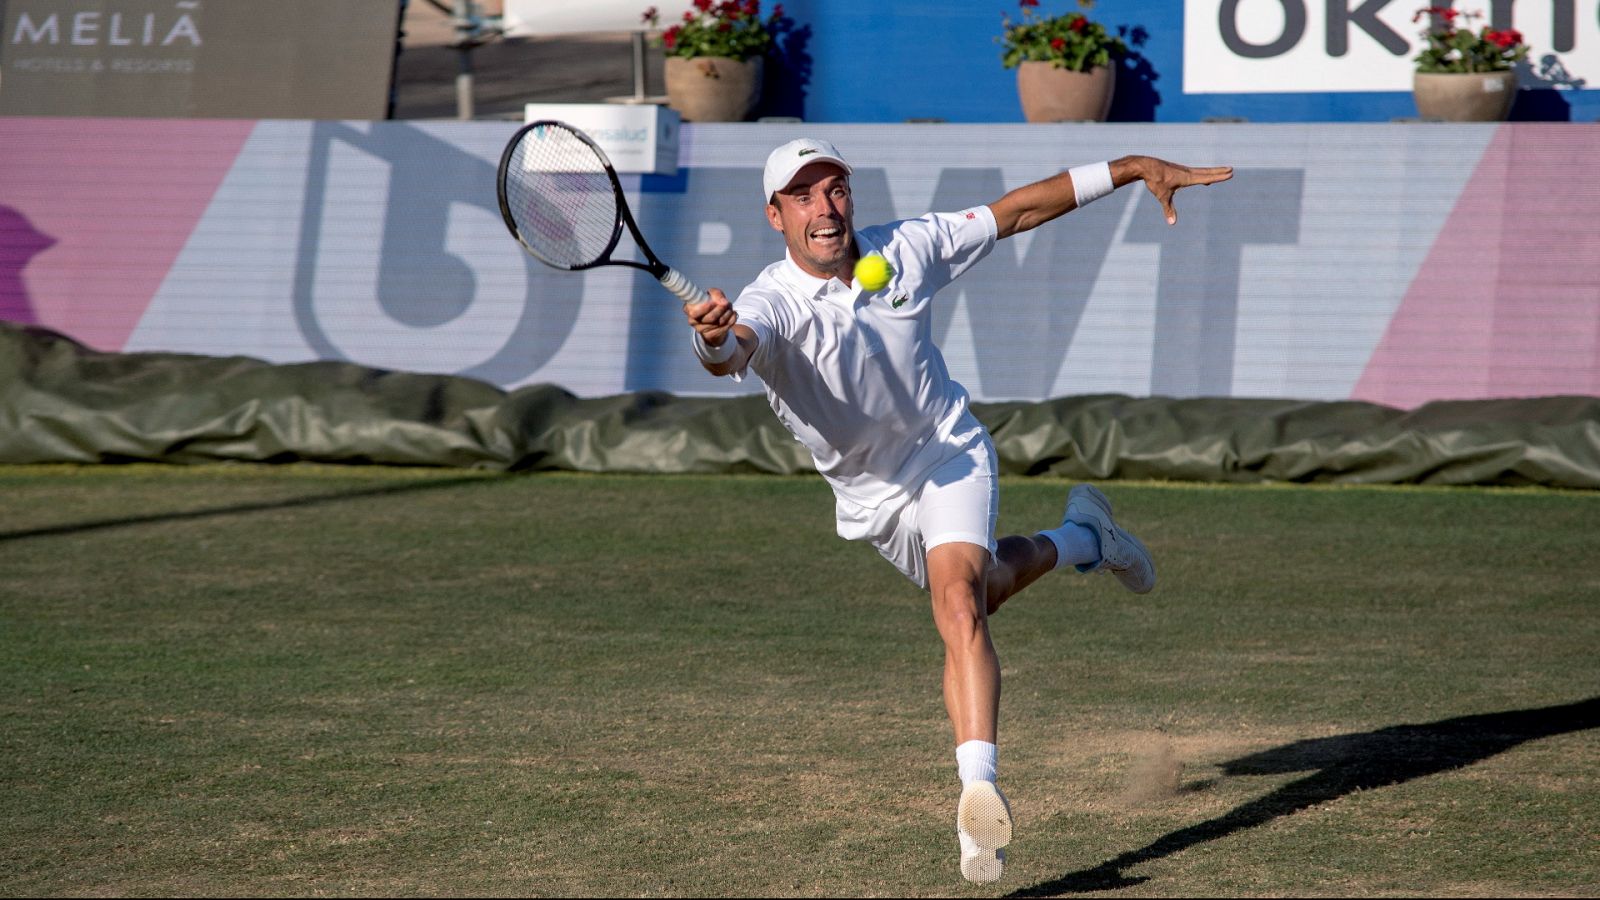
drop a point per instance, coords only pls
(959, 501)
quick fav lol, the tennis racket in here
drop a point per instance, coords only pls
(563, 203)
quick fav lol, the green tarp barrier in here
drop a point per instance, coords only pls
(63, 402)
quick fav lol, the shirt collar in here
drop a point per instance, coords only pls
(809, 284)
(814, 287)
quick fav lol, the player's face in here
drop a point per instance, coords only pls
(815, 213)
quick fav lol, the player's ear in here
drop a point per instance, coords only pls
(774, 217)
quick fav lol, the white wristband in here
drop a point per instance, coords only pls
(1091, 182)
(714, 355)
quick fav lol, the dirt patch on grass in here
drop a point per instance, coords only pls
(1156, 772)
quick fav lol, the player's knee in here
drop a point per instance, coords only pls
(960, 609)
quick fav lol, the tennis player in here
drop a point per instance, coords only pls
(855, 375)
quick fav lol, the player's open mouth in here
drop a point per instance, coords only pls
(827, 235)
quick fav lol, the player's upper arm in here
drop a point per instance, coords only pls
(951, 242)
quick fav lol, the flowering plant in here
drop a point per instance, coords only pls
(1460, 49)
(1069, 41)
(731, 28)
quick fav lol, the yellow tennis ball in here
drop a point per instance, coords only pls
(873, 271)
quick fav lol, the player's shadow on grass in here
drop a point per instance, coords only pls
(1341, 765)
(242, 508)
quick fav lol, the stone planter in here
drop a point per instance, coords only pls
(1470, 97)
(713, 88)
(1050, 94)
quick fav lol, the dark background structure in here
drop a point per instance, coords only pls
(509, 72)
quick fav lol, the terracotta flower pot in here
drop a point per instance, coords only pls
(1050, 94)
(713, 88)
(1470, 97)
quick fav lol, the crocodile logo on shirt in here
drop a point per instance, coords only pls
(898, 300)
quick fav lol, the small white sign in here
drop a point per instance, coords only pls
(538, 18)
(637, 138)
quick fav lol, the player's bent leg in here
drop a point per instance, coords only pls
(1019, 562)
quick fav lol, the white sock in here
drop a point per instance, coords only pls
(1076, 545)
(976, 761)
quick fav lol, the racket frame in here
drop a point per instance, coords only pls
(653, 264)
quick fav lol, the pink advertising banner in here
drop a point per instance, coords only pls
(1390, 263)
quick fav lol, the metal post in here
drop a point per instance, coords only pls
(464, 45)
(638, 67)
(464, 86)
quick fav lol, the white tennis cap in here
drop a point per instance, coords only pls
(794, 156)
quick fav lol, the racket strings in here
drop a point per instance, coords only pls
(561, 197)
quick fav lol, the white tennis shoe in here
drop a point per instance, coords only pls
(1121, 553)
(983, 825)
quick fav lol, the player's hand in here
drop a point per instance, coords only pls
(1165, 179)
(713, 319)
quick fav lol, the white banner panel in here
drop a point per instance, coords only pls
(525, 18)
(1315, 46)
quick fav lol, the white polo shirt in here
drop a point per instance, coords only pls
(856, 376)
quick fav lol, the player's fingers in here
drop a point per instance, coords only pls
(1166, 206)
(711, 311)
(719, 316)
(696, 311)
(1211, 174)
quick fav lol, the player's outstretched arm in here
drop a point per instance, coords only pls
(1033, 205)
(722, 345)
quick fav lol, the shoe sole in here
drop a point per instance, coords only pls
(986, 818)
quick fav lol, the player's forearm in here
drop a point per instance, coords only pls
(1032, 205)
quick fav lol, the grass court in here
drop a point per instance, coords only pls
(308, 680)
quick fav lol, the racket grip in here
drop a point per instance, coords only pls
(674, 281)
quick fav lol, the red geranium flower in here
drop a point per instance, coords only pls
(1069, 41)
(1505, 40)
(1443, 12)
(730, 28)
(1452, 45)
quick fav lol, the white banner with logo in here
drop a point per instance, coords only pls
(1394, 263)
(1316, 46)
